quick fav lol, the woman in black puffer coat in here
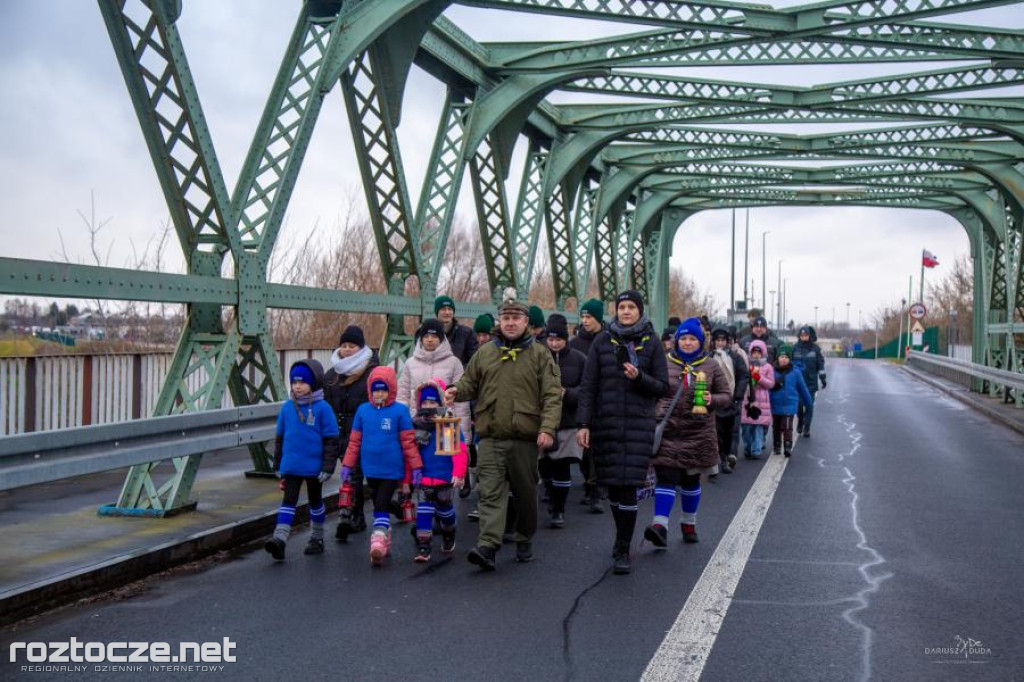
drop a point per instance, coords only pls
(624, 377)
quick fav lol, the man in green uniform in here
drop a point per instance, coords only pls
(518, 394)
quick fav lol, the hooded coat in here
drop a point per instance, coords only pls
(809, 358)
(741, 378)
(306, 442)
(383, 439)
(425, 365)
(770, 340)
(346, 393)
(762, 379)
(690, 440)
(570, 365)
(437, 469)
(620, 412)
(790, 390)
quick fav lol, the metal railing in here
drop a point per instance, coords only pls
(979, 378)
(45, 393)
(32, 458)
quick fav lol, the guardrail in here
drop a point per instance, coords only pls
(33, 458)
(975, 377)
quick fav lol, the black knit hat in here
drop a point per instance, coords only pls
(484, 324)
(353, 334)
(557, 326)
(430, 325)
(631, 295)
(759, 321)
(674, 322)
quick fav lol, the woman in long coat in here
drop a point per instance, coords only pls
(689, 446)
(624, 377)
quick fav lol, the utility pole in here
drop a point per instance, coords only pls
(771, 309)
(778, 313)
(785, 302)
(764, 269)
(746, 258)
(815, 318)
(847, 316)
(732, 272)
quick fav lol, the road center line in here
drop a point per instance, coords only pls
(685, 649)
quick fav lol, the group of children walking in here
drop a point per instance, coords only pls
(392, 443)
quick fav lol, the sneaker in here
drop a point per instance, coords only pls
(524, 552)
(622, 564)
(689, 532)
(731, 459)
(789, 449)
(483, 557)
(380, 543)
(657, 535)
(448, 540)
(807, 432)
(594, 506)
(275, 547)
(422, 550)
(473, 515)
(314, 546)
(725, 467)
(557, 521)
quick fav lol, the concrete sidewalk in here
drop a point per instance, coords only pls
(57, 549)
(994, 408)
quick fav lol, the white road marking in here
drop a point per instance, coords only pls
(685, 649)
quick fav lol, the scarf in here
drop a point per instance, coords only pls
(309, 398)
(510, 350)
(636, 336)
(354, 364)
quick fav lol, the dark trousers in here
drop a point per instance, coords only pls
(382, 490)
(805, 413)
(292, 486)
(501, 465)
(561, 480)
(782, 430)
(724, 429)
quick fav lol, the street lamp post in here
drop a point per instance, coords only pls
(778, 313)
(815, 317)
(847, 316)
(764, 270)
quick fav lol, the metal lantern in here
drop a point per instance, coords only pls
(447, 432)
(699, 404)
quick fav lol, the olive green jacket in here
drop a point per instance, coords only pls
(515, 398)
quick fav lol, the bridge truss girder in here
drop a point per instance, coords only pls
(607, 184)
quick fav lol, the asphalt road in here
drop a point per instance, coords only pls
(894, 534)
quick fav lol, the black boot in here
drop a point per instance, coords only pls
(483, 557)
(789, 448)
(622, 565)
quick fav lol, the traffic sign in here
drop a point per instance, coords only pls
(917, 327)
(918, 311)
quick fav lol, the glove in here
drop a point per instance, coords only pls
(346, 474)
(324, 476)
(417, 477)
(823, 382)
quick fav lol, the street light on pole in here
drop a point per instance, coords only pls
(847, 316)
(778, 313)
(815, 317)
(764, 269)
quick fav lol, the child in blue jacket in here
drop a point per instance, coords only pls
(383, 442)
(790, 390)
(305, 450)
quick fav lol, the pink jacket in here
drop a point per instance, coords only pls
(761, 388)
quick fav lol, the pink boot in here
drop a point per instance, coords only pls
(380, 544)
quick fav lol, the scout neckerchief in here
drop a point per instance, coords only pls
(510, 352)
(687, 373)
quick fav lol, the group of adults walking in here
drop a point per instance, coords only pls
(610, 397)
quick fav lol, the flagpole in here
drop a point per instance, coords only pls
(921, 299)
(910, 298)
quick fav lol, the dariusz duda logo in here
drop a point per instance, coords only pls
(31, 654)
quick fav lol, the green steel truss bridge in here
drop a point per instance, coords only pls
(607, 183)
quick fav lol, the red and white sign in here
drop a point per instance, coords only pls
(918, 311)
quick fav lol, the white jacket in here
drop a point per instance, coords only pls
(426, 365)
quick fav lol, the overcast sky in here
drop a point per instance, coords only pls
(69, 130)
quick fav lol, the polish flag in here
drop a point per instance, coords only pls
(929, 259)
